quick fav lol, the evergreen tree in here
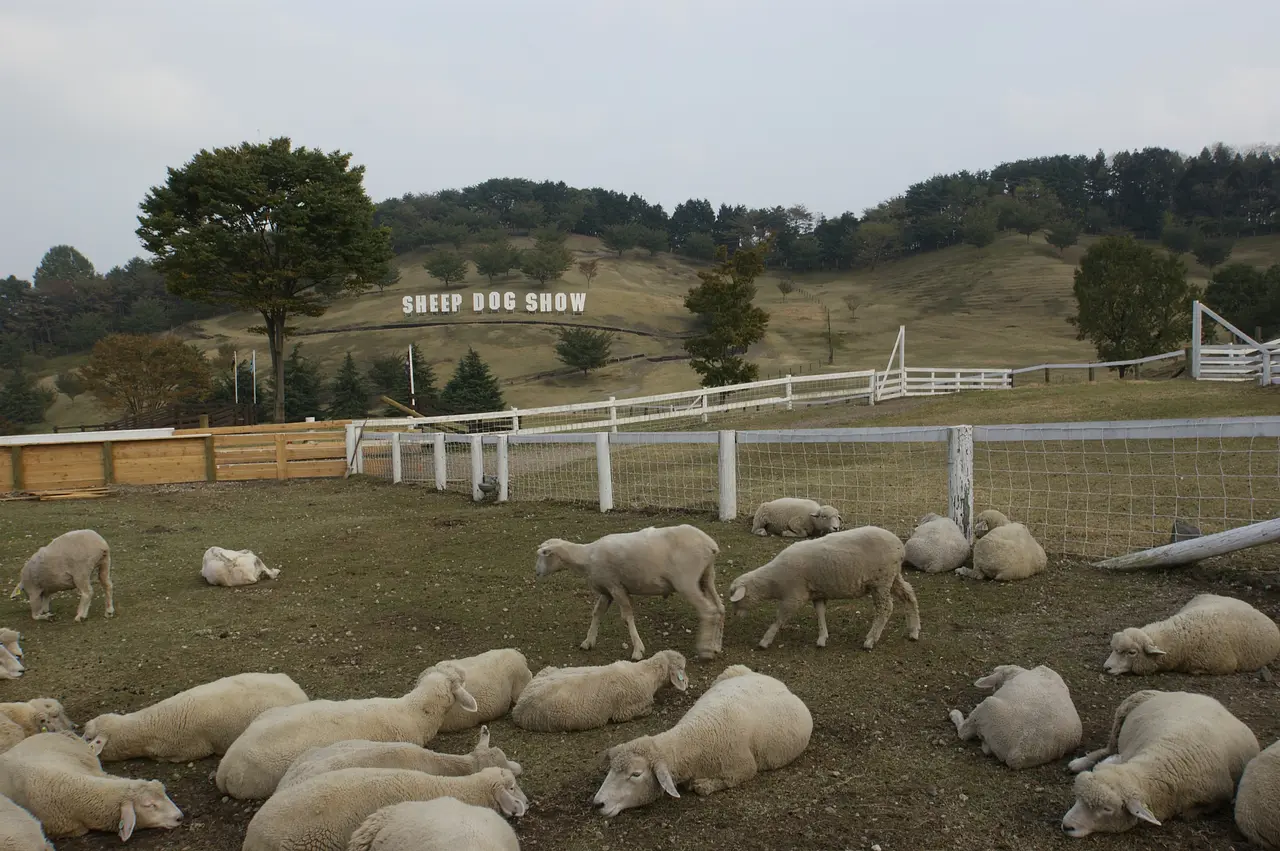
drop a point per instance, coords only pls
(350, 393)
(583, 348)
(389, 376)
(426, 395)
(727, 322)
(473, 389)
(303, 387)
(22, 401)
(224, 390)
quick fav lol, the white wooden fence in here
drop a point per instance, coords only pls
(1248, 360)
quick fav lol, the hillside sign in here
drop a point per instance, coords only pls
(494, 302)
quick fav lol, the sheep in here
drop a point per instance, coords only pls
(21, 831)
(1256, 798)
(362, 753)
(42, 715)
(495, 679)
(744, 723)
(1170, 754)
(196, 723)
(1211, 634)
(11, 667)
(649, 562)
(1029, 720)
(58, 779)
(260, 757)
(795, 518)
(561, 700)
(232, 568)
(441, 824)
(841, 565)
(937, 545)
(1004, 551)
(322, 813)
(65, 563)
(9, 639)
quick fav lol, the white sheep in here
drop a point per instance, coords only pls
(1004, 551)
(1029, 720)
(495, 679)
(255, 762)
(791, 517)
(41, 715)
(838, 566)
(362, 753)
(64, 563)
(11, 667)
(441, 824)
(1211, 634)
(195, 723)
(1171, 754)
(19, 830)
(937, 545)
(232, 568)
(744, 723)
(1256, 797)
(9, 640)
(560, 700)
(58, 779)
(322, 813)
(649, 562)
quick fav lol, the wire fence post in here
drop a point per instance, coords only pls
(960, 478)
(397, 469)
(728, 475)
(613, 416)
(477, 466)
(790, 404)
(351, 448)
(604, 471)
(440, 461)
(504, 470)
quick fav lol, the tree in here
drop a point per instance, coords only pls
(653, 240)
(1062, 235)
(422, 394)
(620, 238)
(1247, 297)
(141, 374)
(473, 389)
(495, 259)
(447, 266)
(1211, 252)
(699, 246)
(878, 240)
(268, 228)
(550, 236)
(786, 287)
(589, 269)
(727, 322)
(70, 383)
(979, 227)
(1131, 302)
(303, 387)
(349, 394)
(23, 401)
(1178, 239)
(583, 348)
(546, 263)
(63, 263)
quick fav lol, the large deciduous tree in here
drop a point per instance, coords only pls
(727, 321)
(140, 373)
(267, 227)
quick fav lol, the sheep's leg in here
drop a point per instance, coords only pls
(85, 587)
(708, 615)
(787, 607)
(966, 728)
(708, 583)
(820, 609)
(1126, 706)
(904, 592)
(40, 606)
(733, 773)
(882, 598)
(629, 618)
(969, 573)
(601, 606)
(104, 579)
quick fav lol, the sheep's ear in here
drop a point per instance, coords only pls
(484, 737)
(665, 780)
(738, 594)
(510, 804)
(678, 679)
(514, 767)
(603, 758)
(128, 820)
(464, 699)
(815, 514)
(1151, 649)
(1139, 810)
(97, 744)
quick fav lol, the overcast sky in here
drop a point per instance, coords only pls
(837, 104)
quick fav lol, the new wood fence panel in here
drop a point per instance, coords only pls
(66, 465)
(6, 469)
(158, 462)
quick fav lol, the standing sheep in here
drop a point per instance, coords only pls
(560, 700)
(795, 518)
(19, 830)
(1004, 551)
(1256, 799)
(195, 723)
(1029, 720)
(65, 563)
(840, 566)
(649, 562)
(232, 568)
(441, 824)
(1211, 634)
(937, 545)
(495, 679)
(1171, 754)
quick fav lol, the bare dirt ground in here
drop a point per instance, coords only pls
(381, 581)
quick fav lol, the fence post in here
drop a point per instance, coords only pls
(613, 416)
(728, 476)
(504, 470)
(211, 460)
(360, 458)
(397, 471)
(704, 406)
(1046, 375)
(1194, 361)
(1091, 378)
(108, 463)
(790, 406)
(604, 471)
(960, 478)
(515, 418)
(441, 461)
(351, 448)
(282, 459)
(477, 466)
(875, 384)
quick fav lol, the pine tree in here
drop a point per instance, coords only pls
(303, 387)
(389, 376)
(350, 393)
(426, 394)
(22, 401)
(473, 388)
(583, 348)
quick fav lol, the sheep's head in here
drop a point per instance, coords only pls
(1133, 652)
(676, 663)
(742, 594)
(146, 805)
(928, 517)
(9, 639)
(487, 756)
(549, 560)
(10, 666)
(507, 794)
(825, 520)
(999, 675)
(638, 775)
(1107, 801)
(988, 520)
(448, 681)
(17, 592)
(50, 717)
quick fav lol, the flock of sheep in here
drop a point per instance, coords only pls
(355, 775)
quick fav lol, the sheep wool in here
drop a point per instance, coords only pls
(561, 700)
(1029, 720)
(233, 568)
(495, 679)
(1256, 797)
(65, 563)
(11, 667)
(9, 639)
(1004, 551)
(1211, 634)
(937, 545)
(792, 517)
(441, 824)
(21, 831)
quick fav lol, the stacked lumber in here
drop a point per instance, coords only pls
(62, 493)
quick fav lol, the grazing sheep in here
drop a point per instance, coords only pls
(1004, 551)
(1211, 634)
(255, 762)
(1030, 720)
(743, 724)
(937, 545)
(441, 824)
(21, 831)
(561, 700)
(495, 679)
(649, 562)
(65, 563)
(57, 778)
(362, 753)
(839, 566)
(1171, 754)
(1256, 798)
(11, 667)
(232, 568)
(322, 813)
(795, 518)
(196, 723)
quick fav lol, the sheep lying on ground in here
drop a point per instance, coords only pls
(20, 720)
(11, 667)
(64, 563)
(937, 545)
(195, 723)
(233, 568)
(1256, 798)
(839, 566)
(1211, 634)
(1004, 551)
(495, 679)
(255, 762)
(9, 639)
(743, 724)
(57, 778)
(1171, 754)
(322, 813)
(560, 700)
(1030, 720)
(795, 518)
(441, 824)
(362, 753)
(649, 562)
(21, 831)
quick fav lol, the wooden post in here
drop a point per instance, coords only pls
(15, 461)
(282, 458)
(1195, 549)
(108, 463)
(477, 466)
(210, 460)
(440, 461)
(1046, 375)
(1136, 371)
(728, 475)
(1091, 379)
(204, 421)
(960, 478)
(604, 471)
(504, 469)
(396, 463)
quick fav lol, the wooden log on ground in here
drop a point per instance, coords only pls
(1197, 549)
